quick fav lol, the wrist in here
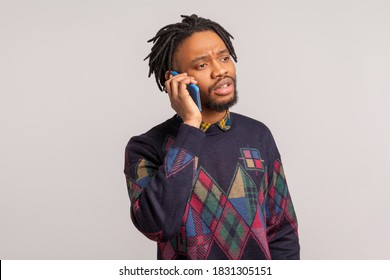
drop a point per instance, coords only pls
(194, 123)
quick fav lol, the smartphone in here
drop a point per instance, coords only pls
(194, 92)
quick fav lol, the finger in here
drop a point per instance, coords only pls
(175, 81)
(177, 84)
(168, 81)
(168, 87)
(183, 86)
(186, 80)
(181, 77)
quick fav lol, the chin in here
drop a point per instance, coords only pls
(221, 106)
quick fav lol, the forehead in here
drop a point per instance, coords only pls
(203, 43)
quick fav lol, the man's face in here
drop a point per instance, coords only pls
(205, 57)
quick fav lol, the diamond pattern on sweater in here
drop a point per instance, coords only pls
(218, 213)
(252, 159)
(231, 231)
(145, 171)
(167, 250)
(243, 195)
(259, 233)
(207, 200)
(199, 236)
(279, 204)
(133, 189)
(176, 160)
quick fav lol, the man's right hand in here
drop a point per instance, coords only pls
(181, 100)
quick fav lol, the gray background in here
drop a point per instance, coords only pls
(74, 89)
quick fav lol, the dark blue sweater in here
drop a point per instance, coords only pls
(211, 195)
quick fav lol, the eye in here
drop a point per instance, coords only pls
(225, 58)
(201, 66)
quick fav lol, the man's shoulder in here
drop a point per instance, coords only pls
(165, 127)
(159, 132)
(249, 123)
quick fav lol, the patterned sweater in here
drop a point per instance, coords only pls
(219, 194)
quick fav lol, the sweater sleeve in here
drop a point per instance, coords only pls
(282, 225)
(159, 188)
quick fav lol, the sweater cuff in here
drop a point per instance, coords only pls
(190, 138)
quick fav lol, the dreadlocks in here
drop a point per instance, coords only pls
(169, 37)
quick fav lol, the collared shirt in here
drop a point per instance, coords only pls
(223, 124)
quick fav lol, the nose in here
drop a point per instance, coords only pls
(219, 70)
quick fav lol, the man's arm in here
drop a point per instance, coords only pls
(159, 190)
(282, 225)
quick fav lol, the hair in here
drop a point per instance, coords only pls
(168, 38)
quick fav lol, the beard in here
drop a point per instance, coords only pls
(221, 106)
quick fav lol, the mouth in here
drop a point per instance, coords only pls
(224, 87)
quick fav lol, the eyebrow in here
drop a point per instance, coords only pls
(199, 58)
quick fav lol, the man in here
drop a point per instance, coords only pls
(209, 184)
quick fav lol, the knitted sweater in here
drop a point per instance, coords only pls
(211, 195)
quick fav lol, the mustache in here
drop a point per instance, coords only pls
(210, 89)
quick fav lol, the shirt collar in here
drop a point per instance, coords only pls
(223, 124)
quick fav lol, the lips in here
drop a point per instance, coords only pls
(224, 87)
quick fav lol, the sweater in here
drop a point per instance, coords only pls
(219, 194)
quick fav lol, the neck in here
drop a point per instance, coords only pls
(210, 116)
